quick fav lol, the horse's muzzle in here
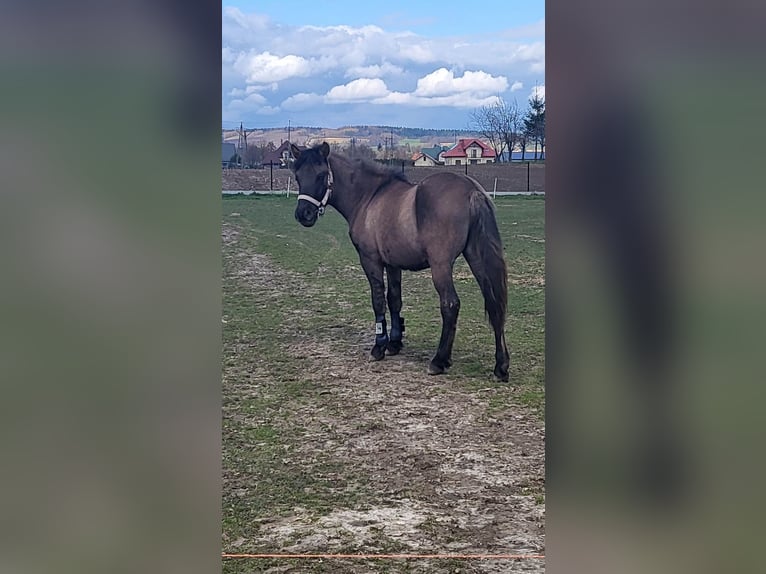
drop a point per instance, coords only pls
(306, 217)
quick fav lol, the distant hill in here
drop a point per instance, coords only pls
(414, 138)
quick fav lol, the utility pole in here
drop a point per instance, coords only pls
(288, 131)
(392, 146)
(242, 142)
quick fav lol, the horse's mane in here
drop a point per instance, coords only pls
(388, 174)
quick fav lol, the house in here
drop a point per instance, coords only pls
(281, 155)
(469, 151)
(429, 156)
(228, 151)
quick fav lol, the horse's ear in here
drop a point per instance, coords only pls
(325, 149)
(295, 150)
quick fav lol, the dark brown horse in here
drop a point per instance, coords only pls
(395, 225)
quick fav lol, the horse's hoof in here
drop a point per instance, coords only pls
(377, 353)
(394, 347)
(501, 375)
(435, 369)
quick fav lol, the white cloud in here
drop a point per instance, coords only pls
(250, 102)
(357, 90)
(420, 53)
(302, 101)
(532, 54)
(266, 68)
(439, 88)
(443, 82)
(516, 86)
(254, 103)
(462, 100)
(374, 71)
(251, 89)
(539, 90)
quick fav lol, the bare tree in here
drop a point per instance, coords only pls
(360, 149)
(510, 124)
(253, 155)
(487, 121)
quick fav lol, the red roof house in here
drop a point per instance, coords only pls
(471, 151)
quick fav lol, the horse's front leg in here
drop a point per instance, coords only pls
(374, 271)
(394, 298)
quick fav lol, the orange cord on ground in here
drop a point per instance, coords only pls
(395, 556)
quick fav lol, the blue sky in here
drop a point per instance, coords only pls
(417, 63)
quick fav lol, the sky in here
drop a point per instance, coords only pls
(326, 63)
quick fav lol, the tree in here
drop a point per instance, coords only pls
(501, 124)
(510, 124)
(487, 121)
(360, 150)
(534, 122)
(253, 155)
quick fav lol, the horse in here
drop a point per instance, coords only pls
(396, 225)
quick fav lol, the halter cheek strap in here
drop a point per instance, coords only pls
(321, 204)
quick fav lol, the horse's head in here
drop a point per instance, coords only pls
(312, 172)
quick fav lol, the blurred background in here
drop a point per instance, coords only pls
(655, 286)
(110, 313)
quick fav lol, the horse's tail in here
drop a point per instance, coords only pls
(484, 254)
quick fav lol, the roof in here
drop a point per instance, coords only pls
(433, 152)
(228, 149)
(459, 149)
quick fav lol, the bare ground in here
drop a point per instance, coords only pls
(443, 470)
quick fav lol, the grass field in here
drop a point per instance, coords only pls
(324, 451)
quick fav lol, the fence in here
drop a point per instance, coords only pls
(500, 178)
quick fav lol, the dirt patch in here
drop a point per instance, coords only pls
(342, 527)
(229, 234)
(477, 473)
(432, 464)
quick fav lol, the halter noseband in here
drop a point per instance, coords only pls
(321, 204)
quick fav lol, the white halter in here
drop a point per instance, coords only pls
(321, 204)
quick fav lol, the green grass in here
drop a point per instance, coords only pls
(329, 301)
(324, 257)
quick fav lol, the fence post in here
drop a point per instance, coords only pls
(527, 176)
(494, 189)
(288, 186)
(271, 176)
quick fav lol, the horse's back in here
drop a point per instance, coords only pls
(444, 199)
(442, 207)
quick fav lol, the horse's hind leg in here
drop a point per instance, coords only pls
(495, 311)
(449, 304)
(394, 297)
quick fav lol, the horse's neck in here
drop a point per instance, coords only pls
(347, 198)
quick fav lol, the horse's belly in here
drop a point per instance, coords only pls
(407, 256)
